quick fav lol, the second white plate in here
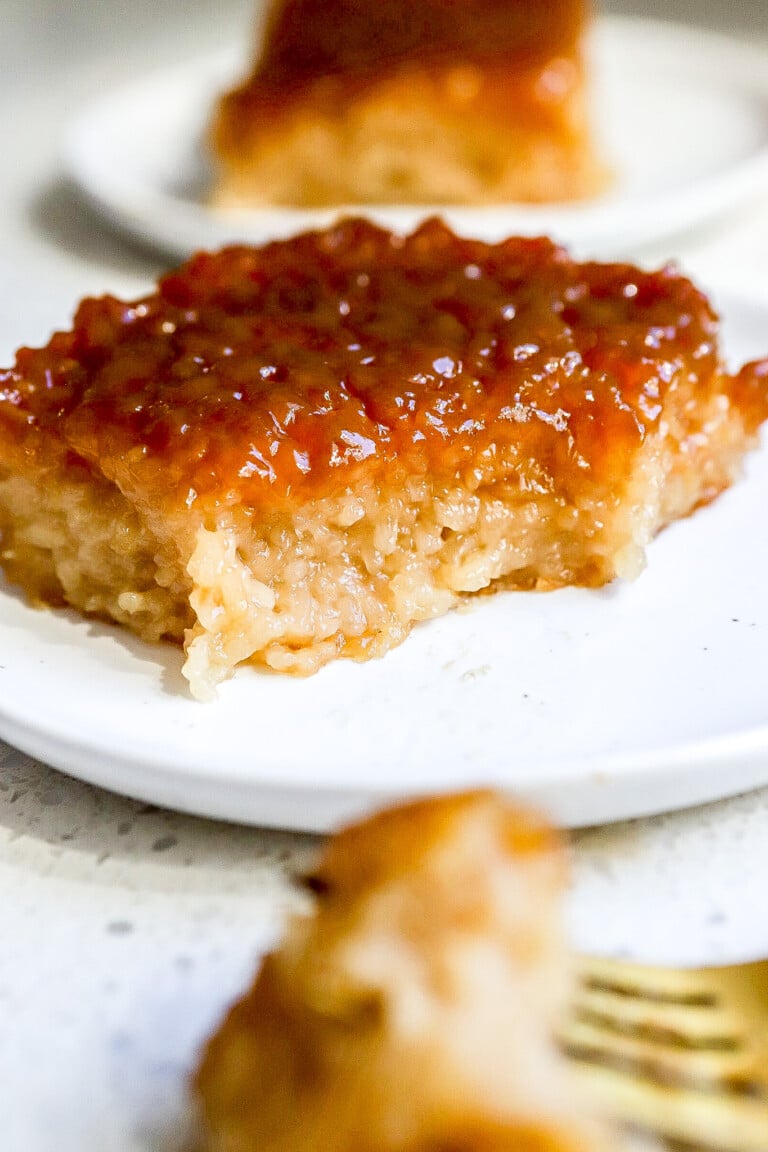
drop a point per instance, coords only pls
(682, 115)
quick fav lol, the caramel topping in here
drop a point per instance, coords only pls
(311, 38)
(341, 46)
(262, 375)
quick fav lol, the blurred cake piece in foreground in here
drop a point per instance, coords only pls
(414, 1009)
(353, 101)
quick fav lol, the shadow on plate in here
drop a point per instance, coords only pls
(112, 640)
(64, 216)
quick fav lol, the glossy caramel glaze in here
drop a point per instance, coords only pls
(339, 46)
(306, 39)
(266, 376)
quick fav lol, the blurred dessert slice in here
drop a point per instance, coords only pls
(414, 1008)
(358, 101)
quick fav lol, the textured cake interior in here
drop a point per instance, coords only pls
(416, 138)
(289, 455)
(345, 576)
(355, 102)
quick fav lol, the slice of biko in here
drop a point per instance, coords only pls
(292, 453)
(363, 102)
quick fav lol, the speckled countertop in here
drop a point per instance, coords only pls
(124, 929)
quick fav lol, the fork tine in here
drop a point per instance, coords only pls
(718, 1123)
(681, 1053)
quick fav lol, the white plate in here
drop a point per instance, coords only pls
(600, 705)
(682, 115)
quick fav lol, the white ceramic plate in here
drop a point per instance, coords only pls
(682, 115)
(600, 705)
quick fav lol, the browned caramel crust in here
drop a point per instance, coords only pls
(312, 38)
(269, 376)
(336, 50)
(359, 42)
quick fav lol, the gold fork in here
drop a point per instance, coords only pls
(679, 1053)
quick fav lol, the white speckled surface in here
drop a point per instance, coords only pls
(126, 929)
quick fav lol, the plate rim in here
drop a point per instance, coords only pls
(274, 803)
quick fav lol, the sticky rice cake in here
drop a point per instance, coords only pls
(358, 101)
(290, 454)
(414, 1007)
